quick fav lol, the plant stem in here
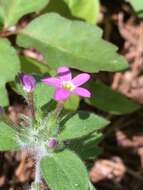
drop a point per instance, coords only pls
(37, 172)
(36, 183)
(58, 109)
(52, 121)
(31, 104)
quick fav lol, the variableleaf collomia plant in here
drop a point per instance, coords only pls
(57, 133)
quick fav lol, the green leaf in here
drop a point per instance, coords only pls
(3, 96)
(64, 171)
(8, 138)
(29, 65)
(106, 99)
(42, 94)
(71, 43)
(137, 5)
(12, 10)
(84, 9)
(1, 17)
(86, 147)
(9, 67)
(72, 103)
(81, 124)
(58, 7)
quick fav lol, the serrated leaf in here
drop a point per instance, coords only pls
(81, 124)
(87, 10)
(60, 172)
(42, 94)
(8, 138)
(71, 43)
(9, 67)
(11, 11)
(106, 99)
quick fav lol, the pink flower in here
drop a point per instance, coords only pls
(65, 85)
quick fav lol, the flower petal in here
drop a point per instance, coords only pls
(64, 73)
(80, 79)
(61, 94)
(82, 92)
(52, 81)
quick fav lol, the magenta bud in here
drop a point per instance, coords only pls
(28, 82)
(52, 142)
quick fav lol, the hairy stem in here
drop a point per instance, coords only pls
(37, 180)
(52, 120)
(58, 109)
(31, 104)
(37, 172)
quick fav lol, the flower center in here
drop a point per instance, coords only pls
(68, 85)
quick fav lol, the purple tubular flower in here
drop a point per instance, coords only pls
(52, 142)
(65, 85)
(28, 82)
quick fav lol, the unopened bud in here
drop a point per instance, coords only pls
(28, 82)
(52, 142)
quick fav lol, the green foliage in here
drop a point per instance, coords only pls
(11, 11)
(53, 133)
(8, 138)
(84, 9)
(58, 7)
(41, 99)
(106, 99)
(3, 96)
(71, 43)
(29, 65)
(72, 103)
(137, 5)
(81, 124)
(9, 67)
(86, 147)
(64, 170)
